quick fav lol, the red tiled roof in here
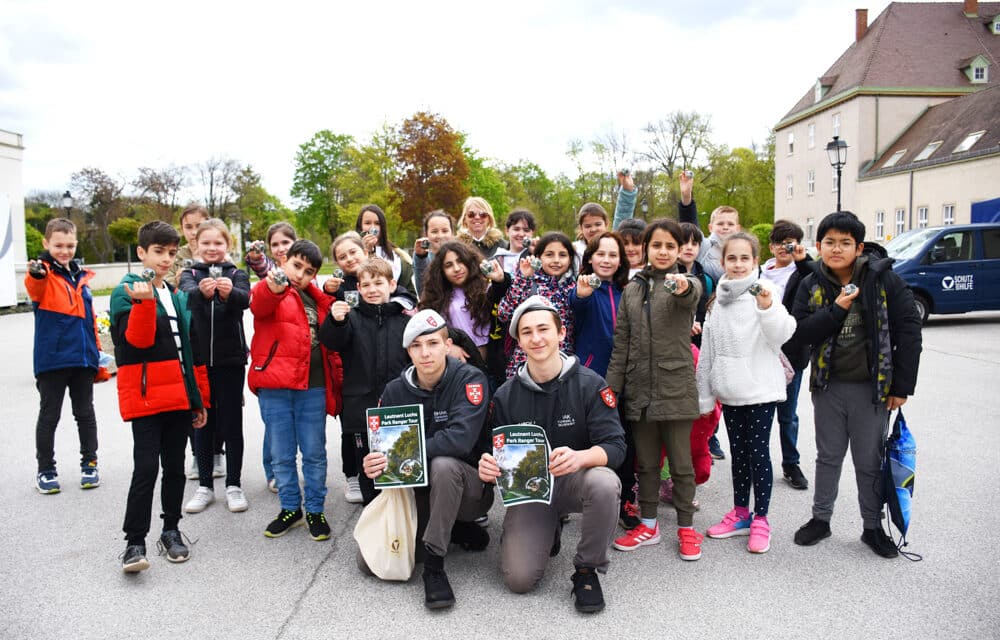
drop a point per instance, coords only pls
(915, 45)
(950, 122)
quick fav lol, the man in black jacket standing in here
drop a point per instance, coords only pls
(455, 400)
(579, 413)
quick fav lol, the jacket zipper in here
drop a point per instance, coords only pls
(270, 356)
(143, 387)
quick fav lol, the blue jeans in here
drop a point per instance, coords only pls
(297, 422)
(266, 454)
(788, 420)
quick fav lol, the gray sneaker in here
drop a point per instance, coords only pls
(171, 544)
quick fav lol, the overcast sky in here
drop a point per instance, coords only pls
(119, 85)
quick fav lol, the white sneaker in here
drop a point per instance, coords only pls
(202, 498)
(218, 466)
(272, 485)
(353, 493)
(192, 473)
(236, 500)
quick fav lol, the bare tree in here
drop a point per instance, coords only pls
(99, 196)
(218, 177)
(676, 141)
(161, 186)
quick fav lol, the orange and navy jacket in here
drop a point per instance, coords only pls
(151, 377)
(65, 325)
(282, 343)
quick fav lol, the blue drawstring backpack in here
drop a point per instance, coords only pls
(899, 465)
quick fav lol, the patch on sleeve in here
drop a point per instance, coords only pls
(474, 392)
(609, 397)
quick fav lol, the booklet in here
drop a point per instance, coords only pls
(522, 453)
(398, 432)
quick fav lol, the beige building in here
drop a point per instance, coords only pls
(12, 242)
(917, 99)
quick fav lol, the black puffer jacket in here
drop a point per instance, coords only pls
(217, 334)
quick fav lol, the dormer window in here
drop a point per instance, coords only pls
(928, 150)
(817, 92)
(969, 141)
(976, 69)
(894, 158)
(822, 87)
(995, 25)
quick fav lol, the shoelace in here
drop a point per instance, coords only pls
(181, 538)
(314, 517)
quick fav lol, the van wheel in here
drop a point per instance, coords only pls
(923, 307)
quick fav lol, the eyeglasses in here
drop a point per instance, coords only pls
(477, 214)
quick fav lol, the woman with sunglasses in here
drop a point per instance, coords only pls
(477, 227)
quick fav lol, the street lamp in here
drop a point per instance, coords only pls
(66, 203)
(836, 152)
(645, 208)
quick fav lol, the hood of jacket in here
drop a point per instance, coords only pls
(492, 238)
(569, 364)
(410, 377)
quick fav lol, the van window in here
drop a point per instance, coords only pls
(991, 243)
(952, 247)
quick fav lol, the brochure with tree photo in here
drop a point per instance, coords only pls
(398, 433)
(522, 453)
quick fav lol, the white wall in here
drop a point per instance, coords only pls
(12, 197)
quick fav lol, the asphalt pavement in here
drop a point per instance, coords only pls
(60, 576)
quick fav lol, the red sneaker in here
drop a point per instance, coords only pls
(640, 536)
(690, 543)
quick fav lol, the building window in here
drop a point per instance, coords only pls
(979, 74)
(836, 180)
(788, 187)
(811, 181)
(894, 158)
(996, 26)
(879, 225)
(818, 91)
(836, 124)
(812, 136)
(811, 229)
(922, 217)
(928, 150)
(791, 143)
(969, 141)
(900, 221)
(948, 214)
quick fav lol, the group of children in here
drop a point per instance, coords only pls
(637, 303)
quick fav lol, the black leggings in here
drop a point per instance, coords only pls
(749, 429)
(224, 425)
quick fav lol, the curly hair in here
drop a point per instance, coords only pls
(620, 277)
(437, 289)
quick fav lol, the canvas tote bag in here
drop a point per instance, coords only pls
(386, 534)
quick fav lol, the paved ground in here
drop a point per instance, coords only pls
(60, 575)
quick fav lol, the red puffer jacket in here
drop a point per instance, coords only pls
(280, 349)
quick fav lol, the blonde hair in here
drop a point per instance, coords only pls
(349, 236)
(375, 267)
(218, 225)
(723, 210)
(476, 201)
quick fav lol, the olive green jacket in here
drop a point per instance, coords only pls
(652, 367)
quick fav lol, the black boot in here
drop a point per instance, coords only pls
(437, 589)
(879, 542)
(470, 536)
(587, 590)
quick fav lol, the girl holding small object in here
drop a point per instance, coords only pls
(371, 225)
(217, 294)
(740, 366)
(438, 228)
(349, 253)
(549, 273)
(279, 238)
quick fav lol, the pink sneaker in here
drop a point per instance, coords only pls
(733, 524)
(760, 536)
(638, 537)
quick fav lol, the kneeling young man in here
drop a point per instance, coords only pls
(578, 411)
(454, 397)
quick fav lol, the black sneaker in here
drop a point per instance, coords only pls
(628, 516)
(587, 591)
(812, 532)
(470, 536)
(285, 521)
(715, 449)
(172, 545)
(437, 589)
(794, 477)
(134, 558)
(318, 528)
(879, 542)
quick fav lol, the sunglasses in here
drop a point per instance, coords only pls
(477, 214)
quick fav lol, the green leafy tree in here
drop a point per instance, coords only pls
(763, 233)
(532, 465)
(432, 169)
(405, 448)
(257, 209)
(125, 232)
(486, 181)
(320, 168)
(33, 239)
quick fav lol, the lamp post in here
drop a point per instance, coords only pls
(836, 152)
(645, 208)
(66, 203)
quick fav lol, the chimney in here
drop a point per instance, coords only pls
(861, 22)
(971, 8)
